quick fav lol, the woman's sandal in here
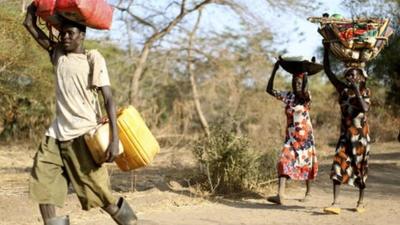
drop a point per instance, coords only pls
(332, 210)
(360, 207)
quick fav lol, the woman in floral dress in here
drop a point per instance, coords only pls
(298, 160)
(350, 163)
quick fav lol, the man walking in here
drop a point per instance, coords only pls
(63, 157)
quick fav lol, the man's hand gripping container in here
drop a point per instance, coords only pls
(98, 140)
(139, 146)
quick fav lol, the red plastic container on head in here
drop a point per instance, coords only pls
(45, 10)
(96, 14)
(93, 13)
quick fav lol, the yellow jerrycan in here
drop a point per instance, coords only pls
(137, 146)
(140, 146)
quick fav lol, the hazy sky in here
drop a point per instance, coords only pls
(285, 26)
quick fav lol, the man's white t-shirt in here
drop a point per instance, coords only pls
(77, 77)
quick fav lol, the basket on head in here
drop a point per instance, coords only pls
(354, 40)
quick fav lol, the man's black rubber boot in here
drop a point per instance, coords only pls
(125, 214)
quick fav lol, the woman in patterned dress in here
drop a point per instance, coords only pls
(298, 160)
(350, 163)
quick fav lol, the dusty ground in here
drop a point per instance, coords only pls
(159, 199)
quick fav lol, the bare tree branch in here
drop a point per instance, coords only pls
(137, 18)
(134, 90)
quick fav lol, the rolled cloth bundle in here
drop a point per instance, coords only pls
(354, 41)
(96, 14)
(296, 65)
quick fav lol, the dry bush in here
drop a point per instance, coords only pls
(228, 164)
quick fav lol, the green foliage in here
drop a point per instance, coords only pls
(229, 164)
(25, 79)
(387, 71)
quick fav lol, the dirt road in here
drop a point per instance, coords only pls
(160, 200)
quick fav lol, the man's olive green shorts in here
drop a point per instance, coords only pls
(57, 164)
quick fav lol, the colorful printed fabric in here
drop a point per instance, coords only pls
(350, 163)
(298, 159)
(357, 32)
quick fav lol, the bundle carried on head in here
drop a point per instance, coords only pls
(96, 14)
(299, 65)
(354, 41)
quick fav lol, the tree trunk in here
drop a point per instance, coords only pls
(196, 99)
(134, 90)
(23, 6)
